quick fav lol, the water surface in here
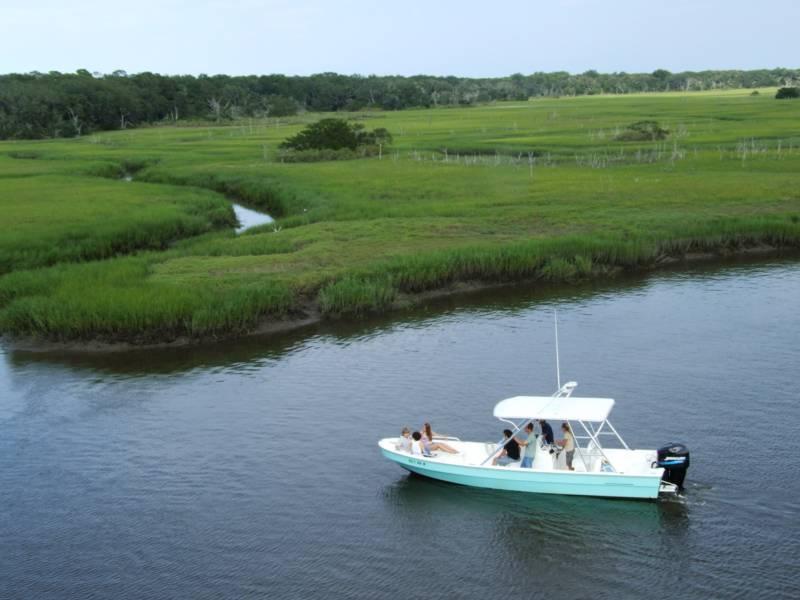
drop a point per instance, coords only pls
(249, 469)
(247, 217)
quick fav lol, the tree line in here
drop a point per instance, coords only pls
(47, 105)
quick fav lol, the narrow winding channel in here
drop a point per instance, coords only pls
(247, 217)
(250, 468)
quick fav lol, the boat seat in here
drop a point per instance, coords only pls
(542, 459)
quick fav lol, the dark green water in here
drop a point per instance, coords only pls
(250, 469)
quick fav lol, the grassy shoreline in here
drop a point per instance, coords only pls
(540, 191)
(310, 314)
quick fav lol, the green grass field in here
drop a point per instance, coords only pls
(537, 189)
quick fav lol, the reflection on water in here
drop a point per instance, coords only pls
(247, 217)
(547, 514)
(491, 303)
(547, 536)
(249, 468)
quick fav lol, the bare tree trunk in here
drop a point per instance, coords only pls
(216, 108)
(76, 122)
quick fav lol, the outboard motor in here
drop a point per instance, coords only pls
(674, 459)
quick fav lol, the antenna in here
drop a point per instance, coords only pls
(558, 366)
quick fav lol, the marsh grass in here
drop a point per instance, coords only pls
(563, 260)
(251, 191)
(536, 191)
(109, 301)
(51, 219)
(357, 295)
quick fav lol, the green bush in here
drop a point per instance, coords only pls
(786, 93)
(643, 131)
(336, 134)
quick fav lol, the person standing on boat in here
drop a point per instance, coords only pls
(529, 444)
(568, 443)
(547, 432)
(510, 451)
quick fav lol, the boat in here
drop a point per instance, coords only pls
(599, 469)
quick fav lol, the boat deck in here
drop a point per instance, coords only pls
(586, 460)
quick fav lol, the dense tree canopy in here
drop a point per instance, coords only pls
(41, 105)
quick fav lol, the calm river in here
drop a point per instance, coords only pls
(251, 469)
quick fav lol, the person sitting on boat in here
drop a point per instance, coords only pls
(529, 443)
(427, 440)
(547, 432)
(417, 447)
(568, 443)
(510, 452)
(405, 440)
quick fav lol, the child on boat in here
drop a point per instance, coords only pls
(405, 440)
(417, 447)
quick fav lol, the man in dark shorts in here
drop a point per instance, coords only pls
(547, 432)
(510, 452)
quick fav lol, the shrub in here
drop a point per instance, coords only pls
(785, 93)
(336, 134)
(643, 131)
(325, 134)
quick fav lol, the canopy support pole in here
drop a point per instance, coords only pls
(619, 437)
(558, 365)
(501, 444)
(597, 445)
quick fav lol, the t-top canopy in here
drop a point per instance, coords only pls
(555, 409)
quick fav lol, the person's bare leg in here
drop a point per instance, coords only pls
(444, 448)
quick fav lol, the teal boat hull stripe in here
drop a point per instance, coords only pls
(609, 485)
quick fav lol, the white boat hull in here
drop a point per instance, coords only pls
(446, 467)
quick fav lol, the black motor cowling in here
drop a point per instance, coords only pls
(674, 459)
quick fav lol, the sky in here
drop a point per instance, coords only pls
(403, 37)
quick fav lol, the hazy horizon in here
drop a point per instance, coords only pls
(463, 39)
(499, 76)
